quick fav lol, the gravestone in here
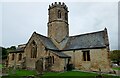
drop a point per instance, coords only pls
(39, 66)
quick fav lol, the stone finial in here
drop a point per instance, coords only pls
(52, 4)
(105, 28)
(49, 6)
(59, 4)
(63, 3)
(106, 37)
(55, 2)
(35, 32)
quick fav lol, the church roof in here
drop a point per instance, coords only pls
(86, 41)
(50, 45)
(18, 50)
(83, 41)
(61, 54)
(47, 42)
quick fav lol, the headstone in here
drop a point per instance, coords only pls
(39, 66)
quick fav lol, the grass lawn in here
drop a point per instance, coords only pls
(75, 74)
(72, 74)
(69, 73)
(116, 68)
(1, 66)
(22, 72)
(19, 73)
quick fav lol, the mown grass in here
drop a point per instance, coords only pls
(70, 73)
(18, 73)
(22, 72)
(1, 65)
(75, 74)
(116, 68)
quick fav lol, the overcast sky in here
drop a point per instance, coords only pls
(21, 19)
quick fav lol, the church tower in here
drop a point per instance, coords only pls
(58, 28)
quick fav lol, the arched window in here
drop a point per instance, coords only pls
(13, 56)
(33, 50)
(66, 16)
(53, 59)
(20, 57)
(59, 14)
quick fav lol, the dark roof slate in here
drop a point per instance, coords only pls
(61, 54)
(47, 42)
(50, 45)
(18, 50)
(83, 41)
(89, 40)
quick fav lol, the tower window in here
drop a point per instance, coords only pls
(86, 55)
(59, 14)
(66, 17)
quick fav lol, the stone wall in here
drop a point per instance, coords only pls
(58, 28)
(30, 62)
(41, 53)
(16, 60)
(59, 63)
(99, 59)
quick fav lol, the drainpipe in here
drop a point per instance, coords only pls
(43, 63)
(74, 58)
(65, 64)
(14, 63)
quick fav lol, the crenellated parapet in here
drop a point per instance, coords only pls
(58, 4)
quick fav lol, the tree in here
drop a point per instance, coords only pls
(3, 52)
(115, 56)
(12, 48)
(0, 52)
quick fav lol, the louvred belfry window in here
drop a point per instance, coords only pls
(59, 14)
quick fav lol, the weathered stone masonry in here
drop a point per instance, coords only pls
(89, 51)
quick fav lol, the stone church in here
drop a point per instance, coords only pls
(58, 51)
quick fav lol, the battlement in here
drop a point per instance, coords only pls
(58, 4)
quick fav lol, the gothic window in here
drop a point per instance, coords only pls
(33, 50)
(20, 57)
(59, 14)
(53, 59)
(86, 55)
(50, 59)
(13, 56)
(66, 17)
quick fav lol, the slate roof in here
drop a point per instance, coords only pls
(47, 42)
(50, 45)
(61, 54)
(89, 40)
(83, 41)
(18, 50)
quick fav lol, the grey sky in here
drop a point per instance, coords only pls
(20, 20)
